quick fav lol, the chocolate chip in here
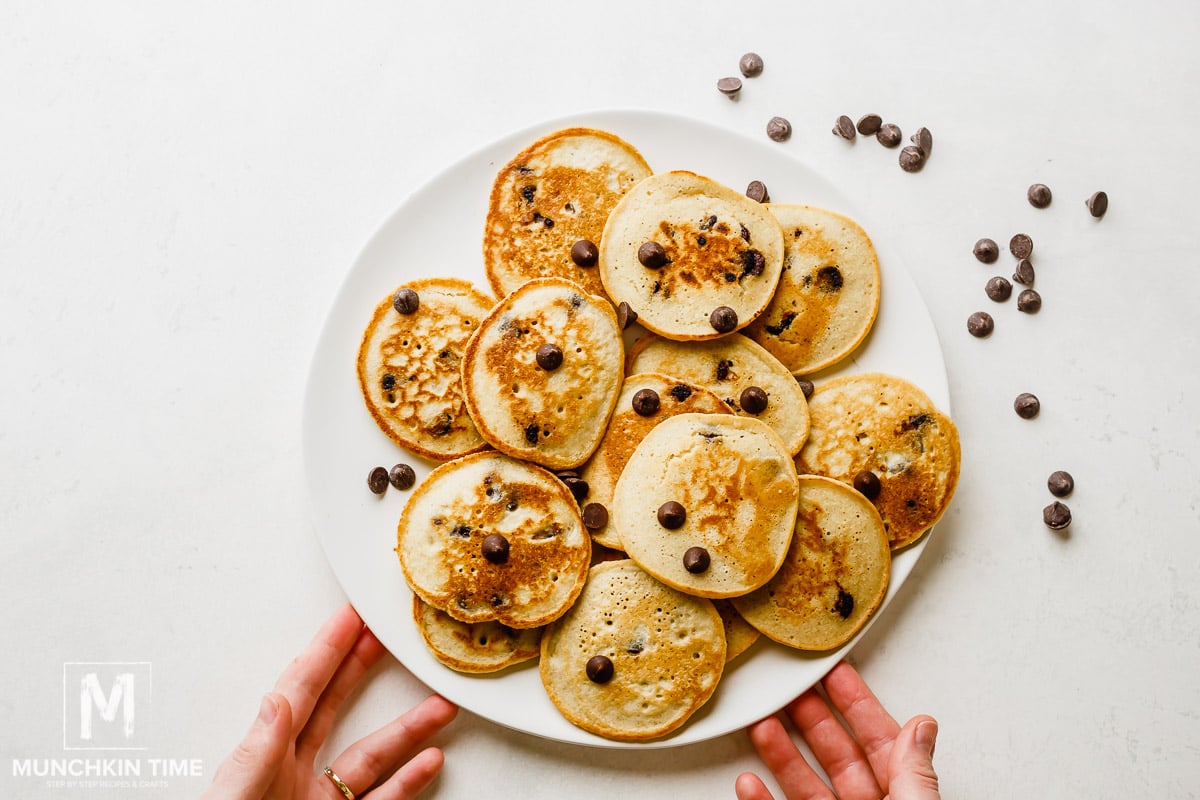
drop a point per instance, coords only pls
(751, 65)
(806, 387)
(578, 487)
(549, 357)
(912, 159)
(1060, 483)
(779, 129)
(844, 605)
(1056, 516)
(729, 86)
(998, 289)
(645, 402)
(868, 484)
(753, 400)
(495, 548)
(1097, 204)
(652, 255)
(1039, 195)
(696, 560)
(671, 515)
(1027, 405)
(923, 139)
(723, 369)
(869, 124)
(757, 191)
(980, 324)
(986, 250)
(681, 392)
(595, 516)
(377, 480)
(388, 383)
(406, 301)
(1024, 272)
(844, 127)
(723, 319)
(531, 433)
(1021, 245)
(626, 316)
(599, 669)
(889, 135)
(402, 476)
(584, 253)
(1029, 301)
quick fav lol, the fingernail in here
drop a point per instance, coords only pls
(267, 711)
(926, 736)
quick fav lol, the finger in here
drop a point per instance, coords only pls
(364, 655)
(750, 787)
(254, 763)
(376, 756)
(871, 725)
(791, 771)
(912, 774)
(306, 678)
(835, 749)
(408, 781)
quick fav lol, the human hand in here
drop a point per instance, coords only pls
(276, 758)
(869, 758)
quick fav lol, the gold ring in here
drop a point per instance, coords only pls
(339, 783)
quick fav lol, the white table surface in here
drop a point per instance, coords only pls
(183, 187)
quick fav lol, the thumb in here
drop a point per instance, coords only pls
(910, 766)
(248, 771)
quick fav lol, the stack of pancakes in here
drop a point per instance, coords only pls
(632, 503)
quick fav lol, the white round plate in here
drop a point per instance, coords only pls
(438, 231)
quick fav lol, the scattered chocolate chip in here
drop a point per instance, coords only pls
(1039, 195)
(723, 319)
(980, 324)
(779, 129)
(1021, 245)
(388, 383)
(999, 289)
(757, 191)
(723, 369)
(844, 605)
(595, 516)
(1029, 301)
(495, 548)
(549, 357)
(527, 192)
(652, 255)
(671, 515)
(377, 480)
(912, 159)
(645, 402)
(599, 669)
(986, 250)
(531, 433)
(753, 400)
(844, 127)
(1027, 405)
(1097, 204)
(868, 484)
(806, 387)
(829, 279)
(626, 316)
(923, 139)
(729, 86)
(578, 487)
(681, 392)
(1024, 272)
(1060, 483)
(402, 476)
(889, 135)
(584, 253)
(1056, 516)
(869, 124)
(696, 560)
(753, 263)
(751, 65)
(406, 301)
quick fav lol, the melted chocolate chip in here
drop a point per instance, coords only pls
(753, 400)
(584, 253)
(1060, 483)
(868, 484)
(549, 357)
(402, 476)
(461, 531)
(723, 369)
(671, 515)
(645, 402)
(406, 301)
(531, 433)
(829, 279)
(696, 560)
(495, 548)
(681, 392)
(785, 322)
(753, 263)
(652, 255)
(388, 383)
(595, 516)
(599, 669)
(723, 319)
(377, 480)
(844, 606)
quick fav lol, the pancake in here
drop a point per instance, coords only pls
(727, 367)
(736, 484)
(627, 428)
(885, 425)
(828, 295)
(721, 250)
(475, 648)
(442, 539)
(666, 648)
(835, 574)
(553, 417)
(408, 368)
(554, 193)
(739, 634)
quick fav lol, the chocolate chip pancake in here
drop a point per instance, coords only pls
(736, 370)
(835, 574)
(707, 504)
(408, 366)
(473, 647)
(886, 426)
(488, 537)
(552, 195)
(542, 373)
(633, 659)
(645, 401)
(828, 293)
(693, 258)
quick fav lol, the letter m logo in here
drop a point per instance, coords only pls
(105, 705)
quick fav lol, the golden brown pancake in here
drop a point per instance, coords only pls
(473, 647)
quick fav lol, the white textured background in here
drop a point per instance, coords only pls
(183, 186)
